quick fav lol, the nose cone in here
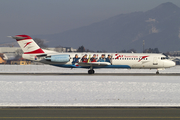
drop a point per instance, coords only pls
(169, 63)
(174, 64)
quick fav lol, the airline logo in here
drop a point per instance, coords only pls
(143, 57)
(118, 56)
(125, 56)
(26, 44)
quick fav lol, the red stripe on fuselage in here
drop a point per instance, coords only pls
(38, 51)
(143, 57)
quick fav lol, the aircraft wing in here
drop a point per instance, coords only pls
(94, 64)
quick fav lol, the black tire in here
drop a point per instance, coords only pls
(90, 71)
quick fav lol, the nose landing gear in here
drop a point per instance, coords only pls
(157, 72)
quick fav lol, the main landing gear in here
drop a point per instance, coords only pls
(91, 71)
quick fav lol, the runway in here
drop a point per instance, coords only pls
(90, 113)
(96, 74)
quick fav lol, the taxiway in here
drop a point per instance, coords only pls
(90, 113)
(96, 74)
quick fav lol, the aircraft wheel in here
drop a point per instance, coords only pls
(90, 71)
(93, 71)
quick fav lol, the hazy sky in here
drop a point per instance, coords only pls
(53, 16)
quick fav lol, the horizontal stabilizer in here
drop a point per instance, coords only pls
(42, 55)
(17, 38)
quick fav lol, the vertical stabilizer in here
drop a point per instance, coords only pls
(28, 45)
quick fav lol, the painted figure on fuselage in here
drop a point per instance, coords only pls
(75, 59)
(84, 58)
(102, 58)
(93, 59)
(108, 59)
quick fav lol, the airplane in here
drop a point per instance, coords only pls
(92, 61)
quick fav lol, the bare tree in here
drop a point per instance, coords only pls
(81, 49)
(59, 48)
(19, 52)
(128, 51)
(151, 50)
(41, 43)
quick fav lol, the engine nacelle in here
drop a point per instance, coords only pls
(58, 58)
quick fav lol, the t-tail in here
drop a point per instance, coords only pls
(28, 45)
(31, 50)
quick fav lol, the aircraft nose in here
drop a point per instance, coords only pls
(169, 64)
(173, 63)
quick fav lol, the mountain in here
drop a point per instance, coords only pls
(159, 27)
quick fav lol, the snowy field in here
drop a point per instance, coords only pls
(99, 91)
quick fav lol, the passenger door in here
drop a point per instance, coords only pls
(155, 61)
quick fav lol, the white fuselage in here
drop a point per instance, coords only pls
(118, 60)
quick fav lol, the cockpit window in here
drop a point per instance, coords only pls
(163, 58)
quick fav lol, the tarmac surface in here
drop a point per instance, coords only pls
(89, 113)
(97, 74)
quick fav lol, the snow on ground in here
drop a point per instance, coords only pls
(88, 90)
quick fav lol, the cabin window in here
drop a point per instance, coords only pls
(122, 58)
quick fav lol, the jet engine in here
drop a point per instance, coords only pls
(58, 58)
